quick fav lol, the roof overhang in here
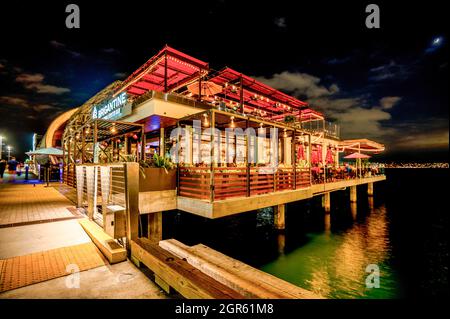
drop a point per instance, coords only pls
(166, 71)
(362, 145)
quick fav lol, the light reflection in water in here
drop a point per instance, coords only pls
(333, 263)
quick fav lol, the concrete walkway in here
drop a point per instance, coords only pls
(30, 222)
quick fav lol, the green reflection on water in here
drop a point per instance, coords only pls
(333, 264)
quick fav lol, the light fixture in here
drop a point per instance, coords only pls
(113, 128)
(232, 125)
(205, 121)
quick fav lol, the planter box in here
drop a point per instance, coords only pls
(157, 179)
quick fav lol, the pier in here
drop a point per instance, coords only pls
(176, 135)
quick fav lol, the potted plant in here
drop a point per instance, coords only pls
(157, 174)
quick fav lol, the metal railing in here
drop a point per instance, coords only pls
(103, 187)
(329, 129)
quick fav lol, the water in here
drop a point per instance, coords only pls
(402, 230)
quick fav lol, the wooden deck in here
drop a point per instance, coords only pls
(236, 205)
(339, 185)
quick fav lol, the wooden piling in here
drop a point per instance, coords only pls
(370, 189)
(326, 202)
(155, 226)
(279, 216)
(353, 194)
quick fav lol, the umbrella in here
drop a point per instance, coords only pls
(357, 155)
(208, 88)
(300, 152)
(329, 157)
(46, 151)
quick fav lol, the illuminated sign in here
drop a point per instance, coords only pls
(113, 109)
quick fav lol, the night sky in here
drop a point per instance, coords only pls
(389, 84)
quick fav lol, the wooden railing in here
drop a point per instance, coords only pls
(229, 182)
(194, 182)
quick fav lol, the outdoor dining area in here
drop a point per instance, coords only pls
(354, 165)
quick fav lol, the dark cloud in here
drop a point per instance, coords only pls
(111, 51)
(63, 47)
(389, 71)
(357, 116)
(334, 61)
(36, 83)
(15, 101)
(120, 75)
(280, 22)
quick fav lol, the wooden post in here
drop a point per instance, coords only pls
(200, 86)
(247, 163)
(212, 154)
(326, 202)
(155, 226)
(126, 146)
(370, 189)
(353, 194)
(165, 72)
(94, 144)
(294, 158)
(327, 223)
(131, 171)
(161, 142)
(241, 94)
(309, 158)
(281, 239)
(354, 210)
(279, 216)
(83, 145)
(143, 142)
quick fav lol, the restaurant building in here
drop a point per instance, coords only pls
(230, 136)
(177, 135)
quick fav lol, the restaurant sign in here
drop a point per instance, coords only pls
(113, 109)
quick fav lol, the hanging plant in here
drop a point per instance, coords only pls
(289, 119)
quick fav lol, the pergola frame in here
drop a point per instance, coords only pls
(83, 138)
(283, 178)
